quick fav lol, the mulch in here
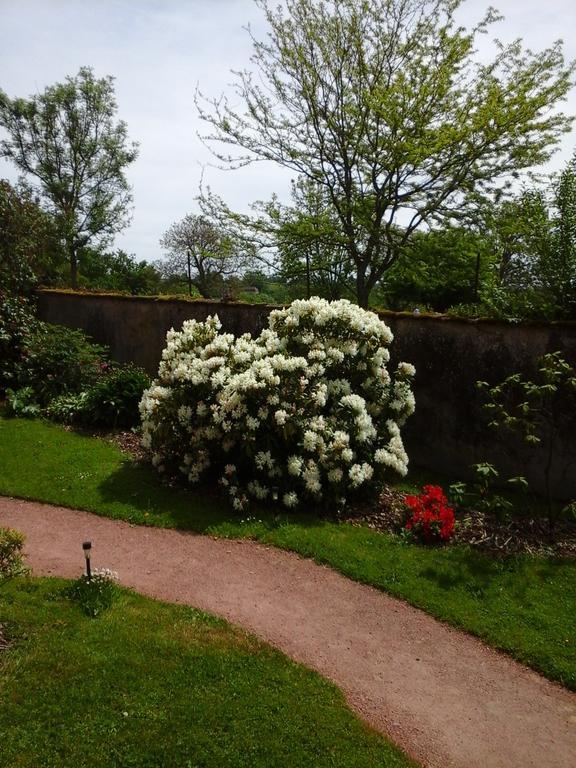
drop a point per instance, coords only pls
(497, 535)
(481, 530)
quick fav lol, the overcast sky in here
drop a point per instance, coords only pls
(158, 51)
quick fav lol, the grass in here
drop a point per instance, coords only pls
(147, 685)
(523, 605)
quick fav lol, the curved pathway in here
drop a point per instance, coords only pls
(442, 695)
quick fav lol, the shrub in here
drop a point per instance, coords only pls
(431, 519)
(94, 594)
(22, 402)
(11, 545)
(541, 411)
(113, 400)
(57, 360)
(17, 322)
(68, 409)
(305, 412)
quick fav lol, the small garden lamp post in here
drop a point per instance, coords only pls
(87, 547)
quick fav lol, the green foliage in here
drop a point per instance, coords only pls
(438, 269)
(312, 253)
(540, 410)
(386, 106)
(29, 247)
(67, 409)
(533, 239)
(119, 272)
(483, 495)
(22, 402)
(94, 594)
(558, 262)
(58, 360)
(17, 323)
(11, 558)
(67, 140)
(113, 400)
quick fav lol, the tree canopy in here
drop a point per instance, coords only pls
(30, 250)
(201, 252)
(67, 140)
(385, 105)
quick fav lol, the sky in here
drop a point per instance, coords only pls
(159, 52)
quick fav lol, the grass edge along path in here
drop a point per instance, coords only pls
(150, 684)
(522, 605)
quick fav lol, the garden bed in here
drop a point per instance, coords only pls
(485, 531)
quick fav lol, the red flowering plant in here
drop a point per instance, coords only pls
(431, 519)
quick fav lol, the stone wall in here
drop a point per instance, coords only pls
(447, 433)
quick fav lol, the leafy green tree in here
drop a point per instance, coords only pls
(310, 249)
(533, 238)
(558, 262)
(67, 140)
(519, 231)
(438, 269)
(30, 251)
(119, 271)
(201, 252)
(385, 105)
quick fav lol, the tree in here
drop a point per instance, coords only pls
(384, 104)
(203, 253)
(533, 238)
(119, 271)
(29, 246)
(306, 237)
(66, 138)
(558, 264)
(438, 269)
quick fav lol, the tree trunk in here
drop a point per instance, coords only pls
(73, 266)
(362, 289)
(189, 273)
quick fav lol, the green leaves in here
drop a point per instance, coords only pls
(385, 107)
(67, 140)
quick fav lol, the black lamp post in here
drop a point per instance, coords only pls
(87, 547)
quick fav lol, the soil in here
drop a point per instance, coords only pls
(443, 696)
(482, 530)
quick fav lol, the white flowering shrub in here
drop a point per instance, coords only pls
(306, 412)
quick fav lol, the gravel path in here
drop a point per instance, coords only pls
(442, 695)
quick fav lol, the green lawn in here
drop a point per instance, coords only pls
(148, 684)
(523, 605)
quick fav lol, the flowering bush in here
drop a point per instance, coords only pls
(431, 518)
(94, 594)
(305, 412)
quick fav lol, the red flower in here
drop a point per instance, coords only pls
(431, 518)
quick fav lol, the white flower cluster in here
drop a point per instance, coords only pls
(306, 411)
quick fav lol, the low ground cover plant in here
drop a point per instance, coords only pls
(308, 411)
(94, 593)
(11, 558)
(111, 401)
